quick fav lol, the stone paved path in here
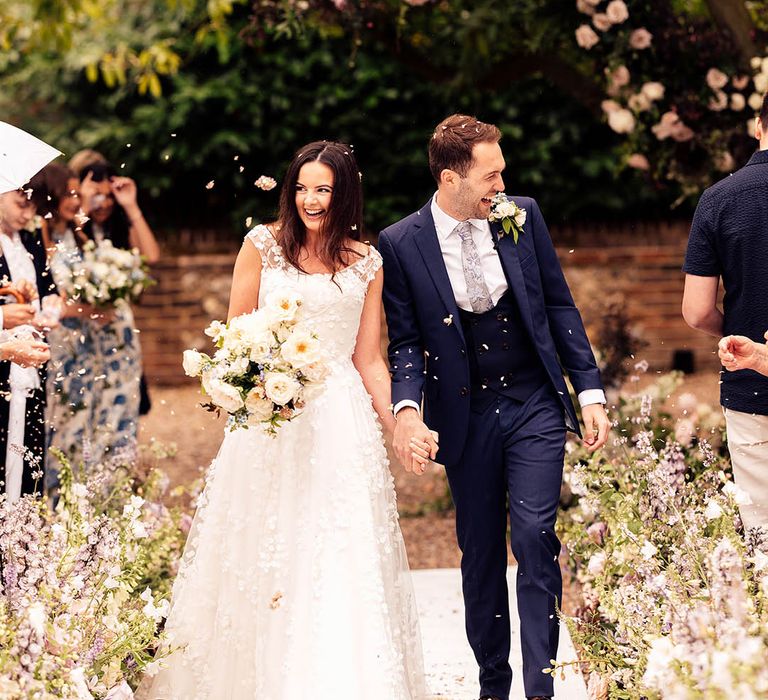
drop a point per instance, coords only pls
(450, 665)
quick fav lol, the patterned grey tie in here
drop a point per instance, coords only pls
(479, 296)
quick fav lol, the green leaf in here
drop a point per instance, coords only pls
(506, 224)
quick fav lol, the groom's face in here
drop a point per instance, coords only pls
(473, 193)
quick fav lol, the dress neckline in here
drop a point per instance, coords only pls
(312, 274)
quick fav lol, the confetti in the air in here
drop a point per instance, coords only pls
(266, 183)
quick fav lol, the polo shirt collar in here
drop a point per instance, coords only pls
(759, 158)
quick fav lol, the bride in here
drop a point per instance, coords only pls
(294, 583)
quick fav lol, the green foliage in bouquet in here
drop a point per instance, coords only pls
(674, 597)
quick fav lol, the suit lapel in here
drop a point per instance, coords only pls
(510, 261)
(429, 248)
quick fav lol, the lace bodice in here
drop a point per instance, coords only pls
(332, 303)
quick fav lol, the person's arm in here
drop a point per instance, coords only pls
(739, 352)
(246, 280)
(367, 357)
(570, 336)
(140, 234)
(406, 359)
(700, 304)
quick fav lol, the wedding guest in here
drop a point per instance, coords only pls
(22, 416)
(83, 158)
(728, 241)
(97, 382)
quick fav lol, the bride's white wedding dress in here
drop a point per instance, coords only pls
(294, 583)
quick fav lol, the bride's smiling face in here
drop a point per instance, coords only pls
(314, 191)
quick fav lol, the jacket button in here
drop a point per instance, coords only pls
(463, 391)
(499, 316)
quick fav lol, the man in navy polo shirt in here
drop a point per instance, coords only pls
(729, 240)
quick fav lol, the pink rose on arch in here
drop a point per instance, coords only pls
(716, 79)
(638, 161)
(586, 37)
(585, 7)
(602, 22)
(620, 76)
(719, 102)
(617, 11)
(671, 126)
(640, 39)
(610, 106)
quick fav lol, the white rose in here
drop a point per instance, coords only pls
(755, 101)
(259, 407)
(738, 102)
(193, 362)
(280, 388)
(225, 395)
(215, 330)
(315, 372)
(622, 121)
(648, 551)
(520, 217)
(739, 495)
(300, 348)
(653, 90)
(283, 304)
(261, 347)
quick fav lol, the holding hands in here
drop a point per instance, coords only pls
(596, 426)
(413, 442)
(739, 352)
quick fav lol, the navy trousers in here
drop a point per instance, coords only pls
(513, 457)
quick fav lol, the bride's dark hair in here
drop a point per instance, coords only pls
(344, 218)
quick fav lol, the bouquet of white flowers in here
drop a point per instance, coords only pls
(267, 364)
(102, 274)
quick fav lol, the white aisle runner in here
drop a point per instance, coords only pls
(450, 665)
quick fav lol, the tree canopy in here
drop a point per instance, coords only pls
(185, 93)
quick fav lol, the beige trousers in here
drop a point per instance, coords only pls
(748, 445)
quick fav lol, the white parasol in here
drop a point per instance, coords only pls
(21, 156)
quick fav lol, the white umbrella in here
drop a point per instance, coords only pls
(21, 156)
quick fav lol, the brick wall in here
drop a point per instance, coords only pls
(639, 264)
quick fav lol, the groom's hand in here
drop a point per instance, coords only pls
(413, 442)
(596, 426)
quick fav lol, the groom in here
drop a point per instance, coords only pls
(479, 327)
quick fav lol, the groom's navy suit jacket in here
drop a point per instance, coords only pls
(427, 350)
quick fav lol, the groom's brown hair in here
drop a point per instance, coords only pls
(450, 147)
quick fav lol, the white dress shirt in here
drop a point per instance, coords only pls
(495, 279)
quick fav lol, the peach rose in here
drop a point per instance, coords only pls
(640, 39)
(653, 91)
(716, 79)
(622, 121)
(617, 11)
(638, 161)
(586, 37)
(601, 21)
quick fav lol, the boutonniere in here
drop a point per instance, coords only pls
(511, 216)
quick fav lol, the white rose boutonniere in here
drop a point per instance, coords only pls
(509, 214)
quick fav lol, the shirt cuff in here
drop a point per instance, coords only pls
(591, 396)
(406, 403)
